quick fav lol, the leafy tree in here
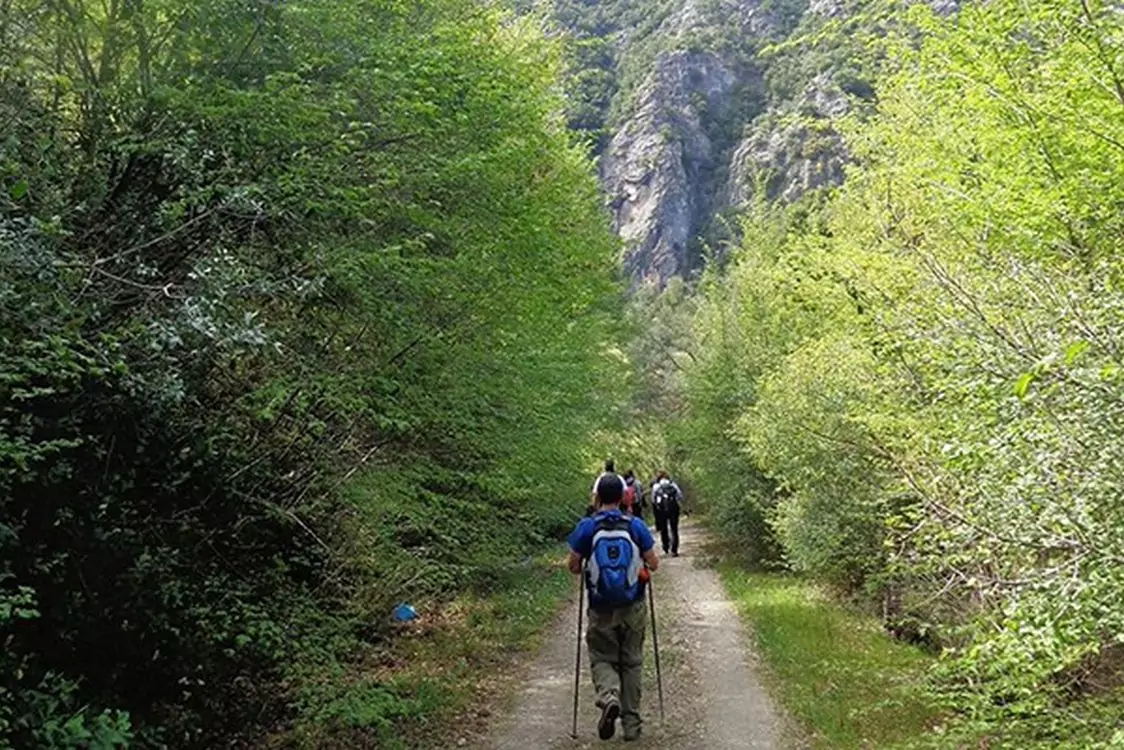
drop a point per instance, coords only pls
(299, 306)
(926, 366)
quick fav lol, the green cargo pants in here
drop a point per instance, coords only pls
(616, 657)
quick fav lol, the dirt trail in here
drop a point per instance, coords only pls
(712, 691)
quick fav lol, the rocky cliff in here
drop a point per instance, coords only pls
(659, 166)
(790, 150)
(667, 160)
(700, 107)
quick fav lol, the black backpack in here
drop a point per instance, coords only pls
(665, 497)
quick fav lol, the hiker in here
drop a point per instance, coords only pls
(634, 495)
(614, 552)
(608, 471)
(667, 501)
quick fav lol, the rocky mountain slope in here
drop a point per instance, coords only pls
(681, 86)
(663, 167)
(699, 107)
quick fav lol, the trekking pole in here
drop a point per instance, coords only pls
(578, 658)
(656, 645)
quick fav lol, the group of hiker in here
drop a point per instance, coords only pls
(664, 495)
(614, 551)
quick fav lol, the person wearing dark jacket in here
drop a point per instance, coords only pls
(667, 502)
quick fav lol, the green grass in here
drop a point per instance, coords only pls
(466, 661)
(434, 680)
(850, 686)
(836, 672)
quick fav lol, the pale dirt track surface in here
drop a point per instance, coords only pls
(712, 690)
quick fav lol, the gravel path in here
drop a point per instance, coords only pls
(712, 692)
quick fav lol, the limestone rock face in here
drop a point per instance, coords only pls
(828, 8)
(697, 125)
(658, 164)
(659, 167)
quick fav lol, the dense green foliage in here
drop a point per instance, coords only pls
(303, 309)
(309, 308)
(599, 37)
(921, 373)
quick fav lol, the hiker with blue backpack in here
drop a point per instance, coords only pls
(615, 553)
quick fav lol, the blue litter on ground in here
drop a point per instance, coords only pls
(405, 613)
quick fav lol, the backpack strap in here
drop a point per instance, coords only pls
(621, 523)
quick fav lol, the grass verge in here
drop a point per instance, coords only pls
(470, 661)
(836, 672)
(851, 687)
(434, 681)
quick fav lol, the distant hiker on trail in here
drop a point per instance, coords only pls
(615, 553)
(633, 495)
(609, 471)
(667, 500)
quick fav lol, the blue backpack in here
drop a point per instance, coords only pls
(613, 570)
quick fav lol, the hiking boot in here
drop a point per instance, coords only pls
(631, 734)
(610, 710)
